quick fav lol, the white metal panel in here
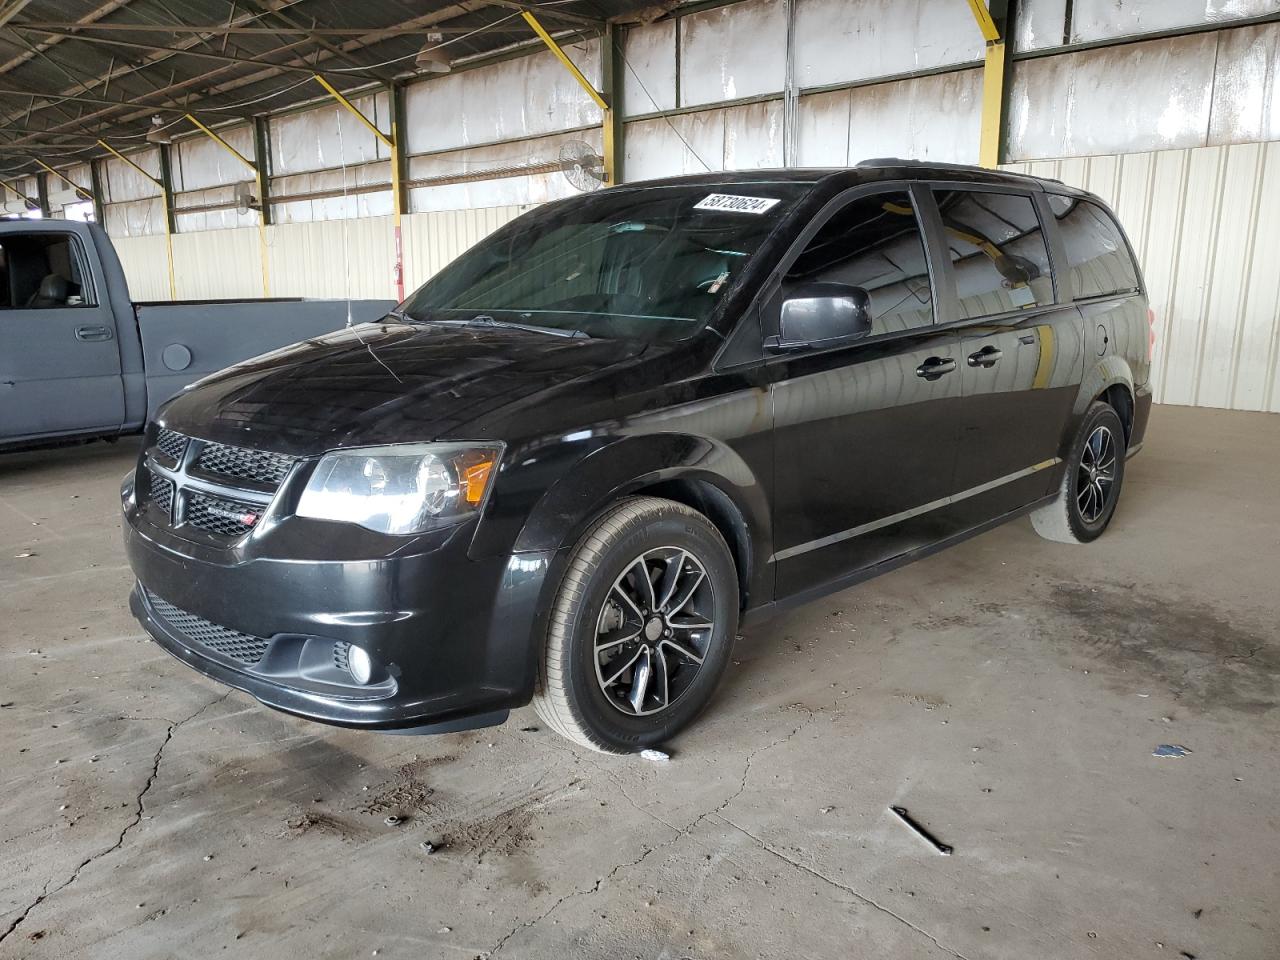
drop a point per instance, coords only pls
(929, 118)
(527, 96)
(1246, 89)
(500, 192)
(822, 137)
(146, 266)
(753, 136)
(217, 264)
(375, 204)
(337, 258)
(1039, 24)
(226, 218)
(137, 218)
(838, 41)
(122, 182)
(649, 70)
(321, 138)
(200, 162)
(690, 143)
(1105, 19)
(1205, 225)
(432, 240)
(1071, 105)
(733, 51)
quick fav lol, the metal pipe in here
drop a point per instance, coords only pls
(174, 51)
(168, 235)
(81, 192)
(563, 57)
(373, 127)
(224, 30)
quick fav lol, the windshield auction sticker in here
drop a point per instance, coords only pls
(731, 204)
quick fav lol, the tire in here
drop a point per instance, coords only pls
(602, 591)
(1077, 514)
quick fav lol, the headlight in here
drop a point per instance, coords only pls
(401, 489)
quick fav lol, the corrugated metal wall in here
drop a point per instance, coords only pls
(1205, 224)
(1181, 129)
(323, 258)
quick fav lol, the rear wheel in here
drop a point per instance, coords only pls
(641, 628)
(1091, 483)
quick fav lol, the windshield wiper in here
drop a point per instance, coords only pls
(484, 320)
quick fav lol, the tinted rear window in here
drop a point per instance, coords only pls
(1097, 255)
(998, 253)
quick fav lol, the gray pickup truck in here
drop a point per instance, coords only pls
(79, 359)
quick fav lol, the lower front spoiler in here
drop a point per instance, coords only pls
(341, 712)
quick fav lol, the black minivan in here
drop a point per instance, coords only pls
(569, 466)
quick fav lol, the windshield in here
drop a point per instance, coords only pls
(649, 264)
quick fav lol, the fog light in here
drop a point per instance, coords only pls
(359, 663)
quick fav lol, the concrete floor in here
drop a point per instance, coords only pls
(1010, 692)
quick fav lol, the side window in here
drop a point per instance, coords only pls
(998, 252)
(1097, 255)
(874, 242)
(41, 270)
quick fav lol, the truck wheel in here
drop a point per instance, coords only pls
(1091, 482)
(641, 627)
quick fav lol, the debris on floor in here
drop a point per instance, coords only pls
(1170, 750)
(392, 821)
(656, 756)
(427, 847)
(905, 816)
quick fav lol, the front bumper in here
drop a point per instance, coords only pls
(451, 637)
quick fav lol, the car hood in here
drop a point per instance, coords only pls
(383, 383)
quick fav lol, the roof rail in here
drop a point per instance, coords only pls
(904, 162)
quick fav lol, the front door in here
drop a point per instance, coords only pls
(59, 359)
(1022, 351)
(865, 434)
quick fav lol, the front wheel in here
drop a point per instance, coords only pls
(641, 628)
(1091, 483)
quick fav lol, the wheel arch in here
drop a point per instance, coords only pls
(700, 472)
(1111, 381)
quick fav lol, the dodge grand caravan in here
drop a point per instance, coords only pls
(571, 464)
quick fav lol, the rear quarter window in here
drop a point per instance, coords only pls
(1097, 256)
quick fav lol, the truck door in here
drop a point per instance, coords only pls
(59, 359)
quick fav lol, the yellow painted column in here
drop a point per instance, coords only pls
(992, 105)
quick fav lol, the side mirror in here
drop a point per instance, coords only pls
(816, 315)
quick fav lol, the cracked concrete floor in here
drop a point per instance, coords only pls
(1009, 692)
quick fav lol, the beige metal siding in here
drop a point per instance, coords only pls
(144, 262)
(1205, 223)
(322, 258)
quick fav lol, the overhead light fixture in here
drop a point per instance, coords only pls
(157, 133)
(432, 58)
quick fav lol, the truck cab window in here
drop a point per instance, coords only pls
(998, 252)
(873, 242)
(41, 270)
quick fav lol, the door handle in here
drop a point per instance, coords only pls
(935, 367)
(93, 332)
(988, 356)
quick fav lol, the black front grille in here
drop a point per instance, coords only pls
(220, 516)
(172, 444)
(238, 646)
(160, 493)
(241, 463)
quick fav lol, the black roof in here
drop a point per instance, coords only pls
(866, 171)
